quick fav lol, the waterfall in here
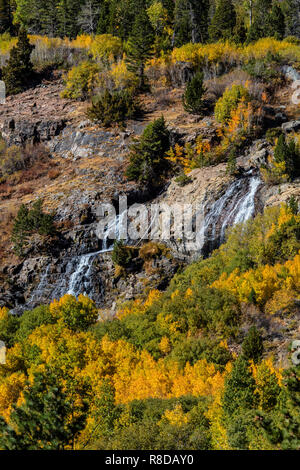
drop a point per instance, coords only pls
(235, 206)
(80, 282)
(75, 275)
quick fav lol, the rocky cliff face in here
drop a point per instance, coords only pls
(93, 161)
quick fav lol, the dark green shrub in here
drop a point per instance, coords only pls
(183, 180)
(18, 73)
(264, 69)
(113, 108)
(30, 221)
(121, 255)
(252, 346)
(148, 162)
(193, 95)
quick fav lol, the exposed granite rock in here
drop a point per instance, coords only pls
(291, 126)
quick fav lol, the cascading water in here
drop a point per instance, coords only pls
(76, 276)
(237, 205)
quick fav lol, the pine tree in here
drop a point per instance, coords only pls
(29, 221)
(284, 428)
(252, 346)
(239, 389)
(182, 30)
(193, 95)
(21, 230)
(231, 163)
(293, 205)
(287, 152)
(106, 409)
(292, 18)
(261, 26)
(147, 158)
(191, 21)
(277, 22)
(18, 72)
(140, 46)
(46, 420)
(5, 16)
(199, 20)
(223, 22)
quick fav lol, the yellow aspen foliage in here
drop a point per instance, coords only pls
(3, 313)
(138, 307)
(121, 76)
(106, 47)
(285, 216)
(165, 346)
(266, 378)
(75, 313)
(216, 416)
(197, 380)
(10, 392)
(265, 281)
(81, 81)
(175, 417)
(188, 293)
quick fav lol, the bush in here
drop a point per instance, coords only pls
(263, 68)
(252, 346)
(16, 158)
(30, 221)
(78, 315)
(81, 81)
(106, 48)
(115, 107)
(193, 95)
(121, 255)
(230, 101)
(183, 180)
(148, 162)
(18, 73)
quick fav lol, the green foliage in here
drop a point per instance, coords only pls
(264, 69)
(81, 81)
(190, 21)
(223, 23)
(47, 420)
(252, 346)
(193, 95)
(183, 180)
(284, 429)
(30, 221)
(277, 22)
(193, 349)
(229, 102)
(148, 163)
(107, 412)
(231, 163)
(139, 48)
(116, 107)
(121, 255)
(269, 20)
(239, 389)
(5, 16)
(288, 153)
(9, 326)
(148, 428)
(32, 319)
(77, 314)
(293, 205)
(18, 73)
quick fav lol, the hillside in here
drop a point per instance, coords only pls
(182, 334)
